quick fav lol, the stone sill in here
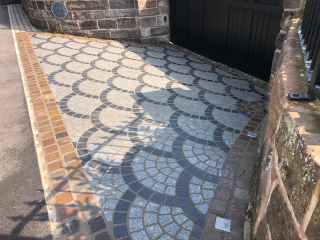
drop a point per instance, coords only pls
(291, 77)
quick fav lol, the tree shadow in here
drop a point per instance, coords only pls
(33, 215)
(10, 237)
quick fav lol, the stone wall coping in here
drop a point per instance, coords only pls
(292, 76)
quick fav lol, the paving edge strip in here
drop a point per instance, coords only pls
(73, 211)
(37, 142)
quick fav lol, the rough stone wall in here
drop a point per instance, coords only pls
(287, 184)
(146, 21)
(153, 22)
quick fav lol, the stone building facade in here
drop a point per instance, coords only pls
(145, 21)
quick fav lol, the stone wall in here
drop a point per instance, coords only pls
(146, 21)
(285, 191)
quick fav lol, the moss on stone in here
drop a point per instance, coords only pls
(299, 14)
(288, 171)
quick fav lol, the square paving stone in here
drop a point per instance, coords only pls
(103, 167)
(172, 201)
(182, 192)
(176, 150)
(157, 152)
(120, 231)
(192, 213)
(119, 218)
(184, 163)
(114, 170)
(200, 221)
(136, 186)
(218, 205)
(126, 170)
(103, 236)
(146, 193)
(168, 155)
(185, 175)
(196, 232)
(96, 224)
(239, 206)
(201, 175)
(93, 163)
(129, 178)
(182, 183)
(159, 198)
(71, 227)
(185, 202)
(241, 193)
(179, 156)
(223, 193)
(213, 179)
(148, 149)
(191, 169)
(128, 195)
(123, 206)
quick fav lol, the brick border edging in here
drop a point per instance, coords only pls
(231, 196)
(39, 152)
(68, 195)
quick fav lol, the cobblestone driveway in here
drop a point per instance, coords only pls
(152, 126)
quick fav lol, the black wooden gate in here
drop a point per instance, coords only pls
(240, 34)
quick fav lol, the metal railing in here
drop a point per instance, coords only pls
(310, 30)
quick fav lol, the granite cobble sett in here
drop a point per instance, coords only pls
(159, 147)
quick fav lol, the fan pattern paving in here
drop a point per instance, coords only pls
(152, 127)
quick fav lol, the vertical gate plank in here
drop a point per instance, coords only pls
(182, 14)
(213, 28)
(195, 21)
(239, 29)
(255, 36)
(263, 41)
(230, 36)
(245, 34)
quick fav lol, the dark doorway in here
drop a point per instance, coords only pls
(240, 34)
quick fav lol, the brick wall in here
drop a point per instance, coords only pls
(146, 21)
